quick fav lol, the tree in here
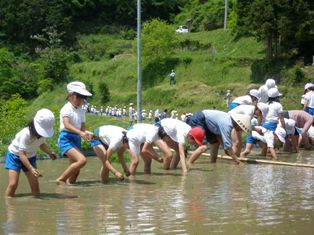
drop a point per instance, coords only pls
(282, 24)
(158, 40)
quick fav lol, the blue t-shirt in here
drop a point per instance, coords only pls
(219, 123)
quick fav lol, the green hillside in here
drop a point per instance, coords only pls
(206, 65)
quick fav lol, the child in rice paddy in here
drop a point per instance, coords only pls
(21, 154)
(72, 129)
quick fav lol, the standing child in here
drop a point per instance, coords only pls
(72, 129)
(21, 152)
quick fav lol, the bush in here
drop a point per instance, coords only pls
(12, 119)
(104, 92)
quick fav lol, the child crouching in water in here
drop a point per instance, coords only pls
(21, 152)
(72, 129)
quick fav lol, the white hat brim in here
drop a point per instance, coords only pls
(43, 132)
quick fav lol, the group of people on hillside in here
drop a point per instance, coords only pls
(259, 114)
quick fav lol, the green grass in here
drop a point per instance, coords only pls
(203, 75)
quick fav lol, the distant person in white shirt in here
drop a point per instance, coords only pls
(309, 101)
(249, 99)
(270, 83)
(172, 77)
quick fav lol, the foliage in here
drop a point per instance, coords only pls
(283, 24)
(104, 91)
(203, 15)
(12, 119)
(158, 40)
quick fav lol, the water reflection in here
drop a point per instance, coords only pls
(217, 198)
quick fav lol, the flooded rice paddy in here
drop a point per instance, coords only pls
(219, 198)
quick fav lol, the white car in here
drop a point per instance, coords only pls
(182, 29)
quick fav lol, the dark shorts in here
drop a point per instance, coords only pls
(94, 143)
(13, 162)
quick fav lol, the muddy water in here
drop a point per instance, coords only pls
(216, 198)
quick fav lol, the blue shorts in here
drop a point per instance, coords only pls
(94, 143)
(309, 110)
(270, 125)
(13, 162)
(233, 105)
(250, 140)
(68, 140)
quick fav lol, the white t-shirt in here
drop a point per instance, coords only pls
(274, 108)
(176, 129)
(24, 142)
(310, 132)
(111, 136)
(246, 99)
(267, 137)
(309, 97)
(76, 116)
(243, 109)
(264, 94)
(141, 133)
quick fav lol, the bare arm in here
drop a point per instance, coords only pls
(45, 149)
(27, 164)
(70, 127)
(182, 158)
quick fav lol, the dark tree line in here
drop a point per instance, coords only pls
(287, 26)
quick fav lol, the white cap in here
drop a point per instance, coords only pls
(290, 126)
(263, 108)
(273, 92)
(43, 122)
(131, 104)
(255, 93)
(281, 134)
(244, 121)
(270, 83)
(308, 85)
(78, 87)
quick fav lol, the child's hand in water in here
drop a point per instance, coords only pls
(119, 176)
(36, 173)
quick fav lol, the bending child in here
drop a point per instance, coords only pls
(21, 152)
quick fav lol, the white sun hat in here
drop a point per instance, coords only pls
(270, 83)
(263, 108)
(273, 92)
(255, 93)
(78, 87)
(244, 121)
(308, 85)
(43, 122)
(281, 134)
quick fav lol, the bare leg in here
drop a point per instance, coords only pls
(134, 164)
(214, 151)
(13, 183)
(247, 151)
(147, 163)
(196, 154)
(33, 183)
(162, 145)
(77, 161)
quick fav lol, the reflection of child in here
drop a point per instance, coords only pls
(21, 152)
(72, 129)
(110, 139)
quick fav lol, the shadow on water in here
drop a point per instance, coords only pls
(46, 196)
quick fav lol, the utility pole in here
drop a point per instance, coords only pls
(139, 75)
(226, 14)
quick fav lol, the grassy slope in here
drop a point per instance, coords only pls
(201, 84)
